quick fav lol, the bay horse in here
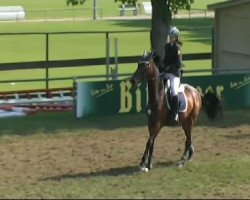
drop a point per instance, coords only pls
(158, 113)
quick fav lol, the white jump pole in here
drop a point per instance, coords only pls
(116, 57)
(107, 55)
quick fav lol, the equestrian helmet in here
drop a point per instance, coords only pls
(174, 32)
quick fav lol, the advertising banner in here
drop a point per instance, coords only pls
(114, 97)
(109, 97)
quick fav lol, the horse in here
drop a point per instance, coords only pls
(158, 113)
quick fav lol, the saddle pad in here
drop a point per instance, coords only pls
(182, 101)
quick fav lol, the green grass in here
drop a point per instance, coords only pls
(193, 182)
(197, 180)
(23, 48)
(80, 71)
(202, 4)
(109, 8)
(35, 10)
(73, 46)
(51, 123)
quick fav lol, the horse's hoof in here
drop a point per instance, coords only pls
(180, 164)
(144, 169)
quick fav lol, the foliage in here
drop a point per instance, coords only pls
(75, 2)
(175, 4)
(181, 4)
(127, 1)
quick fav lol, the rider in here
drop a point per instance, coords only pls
(171, 67)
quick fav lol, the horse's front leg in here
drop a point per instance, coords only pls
(148, 153)
(151, 149)
(142, 165)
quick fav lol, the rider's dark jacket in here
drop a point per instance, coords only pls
(172, 60)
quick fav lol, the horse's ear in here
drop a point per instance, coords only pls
(144, 53)
(157, 59)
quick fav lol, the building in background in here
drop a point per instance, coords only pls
(231, 44)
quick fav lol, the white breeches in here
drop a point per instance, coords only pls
(174, 83)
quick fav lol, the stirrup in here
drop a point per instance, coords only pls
(176, 117)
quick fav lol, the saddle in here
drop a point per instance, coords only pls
(181, 97)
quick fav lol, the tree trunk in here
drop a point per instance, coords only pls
(161, 19)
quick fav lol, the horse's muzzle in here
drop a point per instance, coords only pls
(134, 81)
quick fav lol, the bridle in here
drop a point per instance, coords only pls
(147, 62)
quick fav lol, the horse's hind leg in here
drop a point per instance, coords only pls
(190, 152)
(189, 149)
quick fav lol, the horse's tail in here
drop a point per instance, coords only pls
(211, 105)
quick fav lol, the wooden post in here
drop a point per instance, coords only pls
(94, 9)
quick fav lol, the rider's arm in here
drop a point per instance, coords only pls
(177, 64)
(165, 66)
(177, 61)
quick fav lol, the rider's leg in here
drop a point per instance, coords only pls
(174, 86)
(165, 78)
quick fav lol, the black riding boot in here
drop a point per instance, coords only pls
(175, 107)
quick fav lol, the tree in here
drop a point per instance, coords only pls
(161, 19)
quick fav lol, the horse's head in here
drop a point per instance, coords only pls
(146, 68)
